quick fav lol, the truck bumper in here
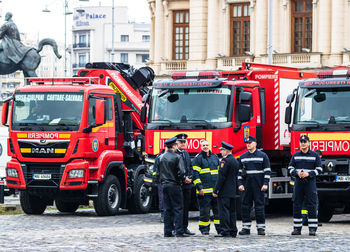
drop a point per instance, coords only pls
(57, 176)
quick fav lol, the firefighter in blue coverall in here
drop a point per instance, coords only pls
(205, 174)
(305, 165)
(253, 179)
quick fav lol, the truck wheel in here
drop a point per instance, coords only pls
(31, 204)
(109, 197)
(141, 200)
(66, 207)
(325, 212)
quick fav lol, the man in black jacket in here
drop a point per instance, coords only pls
(225, 190)
(171, 174)
(187, 185)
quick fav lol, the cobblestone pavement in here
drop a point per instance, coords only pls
(84, 231)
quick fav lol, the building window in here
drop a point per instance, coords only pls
(301, 25)
(82, 60)
(240, 28)
(124, 38)
(146, 38)
(124, 57)
(181, 36)
(82, 40)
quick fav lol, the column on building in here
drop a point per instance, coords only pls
(152, 30)
(213, 36)
(261, 14)
(276, 26)
(198, 34)
(324, 26)
(158, 35)
(337, 37)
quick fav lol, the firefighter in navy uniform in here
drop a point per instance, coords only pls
(205, 173)
(225, 191)
(305, 165)
(253, 179)
(171, 173)
(187, 184)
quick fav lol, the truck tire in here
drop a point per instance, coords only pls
(141, 200)
(109, 197)
(31, 204)
(66, 207)
(325, 212)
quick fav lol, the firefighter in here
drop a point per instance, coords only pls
(171, 174)
(187, 185)
(205, 173)
(305, 165)
(253, 180)
(225, 190)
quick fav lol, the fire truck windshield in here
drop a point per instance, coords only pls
(191, 105)
(47, 111)
(323, 106)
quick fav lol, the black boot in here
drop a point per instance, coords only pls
(296, 231)
(261, 231)
(244, 231)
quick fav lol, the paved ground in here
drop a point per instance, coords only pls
(84, 231)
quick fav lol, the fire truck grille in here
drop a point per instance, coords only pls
(43, 175)
(36, 150)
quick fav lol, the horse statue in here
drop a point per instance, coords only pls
(30, 61)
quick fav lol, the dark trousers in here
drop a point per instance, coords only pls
(227, 213)
(253, 193)
(160, 198)
(173, 209)
(186, 193)
(305, 189)
(206, 203)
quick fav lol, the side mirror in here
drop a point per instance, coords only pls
(290, 98)
(288, 115)
(244, 112)
(4, 115)
(143, 115)
(100, 111)
(145, 98)
(245, 97)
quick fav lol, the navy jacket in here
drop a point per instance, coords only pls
(309, 162)
(227, 181)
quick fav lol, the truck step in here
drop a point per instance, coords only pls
(93, 181)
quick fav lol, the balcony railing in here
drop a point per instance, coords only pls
(232, 62)
(176, 65)
(81, 45)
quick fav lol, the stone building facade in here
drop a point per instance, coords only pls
(220, 34)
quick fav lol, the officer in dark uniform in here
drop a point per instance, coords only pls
(225, 190)
(171, 174)
(159, 185)
(253, 179)
(205, 173)
(305, 165)
(187, 185)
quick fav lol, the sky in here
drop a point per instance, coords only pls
(30, 19)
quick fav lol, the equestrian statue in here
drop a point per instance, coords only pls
(14, 55)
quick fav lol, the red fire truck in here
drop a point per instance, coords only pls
(227, 106)
(76, 139)
(321, 112)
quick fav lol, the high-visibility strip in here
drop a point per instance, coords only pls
(195, 182)
(298, 220)
(208, 190)
(204, 223)
(313, 225)
(305, 158)
(196, 168)
(205, 170)
(254, 172)
(304, 212)
(154, 173)
(26, 150)
(298, 225)
(239, 177)
(267, 169)
(267, 176)
(148, 180)
(213, 172)
(260, 225)
(217, 222)
(60, 151)
(312, 220)
(252, 159)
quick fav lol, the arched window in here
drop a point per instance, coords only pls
(301, 25)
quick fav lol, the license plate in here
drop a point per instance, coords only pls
(342, 179)
(42, 176)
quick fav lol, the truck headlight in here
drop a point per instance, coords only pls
(76, 174)
(11, 172)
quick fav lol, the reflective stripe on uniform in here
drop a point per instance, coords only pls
(217, 222)
(313, 220)
(313, 225)
(154, 173)
(208, 190)
(204, 223)
(239, 177)
(260, 225)
(205, 170)
(195, 182)
(267, 176)
(251, 159)
(298, 220)
(213, 172)
(196, 168)
(254, 172)
(304, 212)
(297, 225)
(267, 169)
(305, 158)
